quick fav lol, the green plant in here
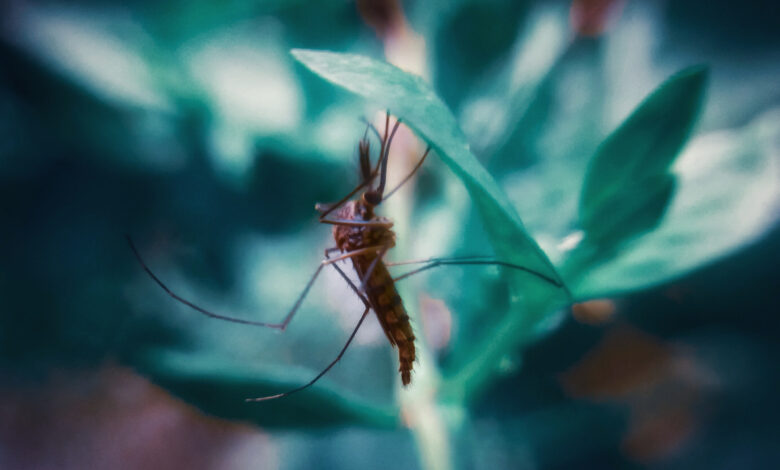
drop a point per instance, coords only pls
(191, 127)
(637, 224)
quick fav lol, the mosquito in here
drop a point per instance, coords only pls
(365, 238)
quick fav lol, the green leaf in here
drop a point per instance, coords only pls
(727, 196)
(628, 184)
(411, 98)
(219, 386)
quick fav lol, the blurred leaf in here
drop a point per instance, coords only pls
(409, 97)
(219, 386)
(727, 196)
(510, 103)
(628, 184)
(559, 143)
(463, 53)
(103, 55)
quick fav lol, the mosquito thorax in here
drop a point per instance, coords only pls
(363, 211)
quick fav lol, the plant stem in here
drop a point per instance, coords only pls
(426, 418)
(518, 327)
(420, 410)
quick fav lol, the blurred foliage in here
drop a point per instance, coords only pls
(629, 184)
(192, 127)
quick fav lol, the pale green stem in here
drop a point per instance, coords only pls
(426, 418)
(517, 328)
(424, 415)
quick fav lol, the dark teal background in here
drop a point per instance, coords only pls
(113, 123)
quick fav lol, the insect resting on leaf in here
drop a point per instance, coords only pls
(365, 238)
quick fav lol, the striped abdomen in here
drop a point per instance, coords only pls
(390, 311)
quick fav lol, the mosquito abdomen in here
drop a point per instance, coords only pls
(390, 311)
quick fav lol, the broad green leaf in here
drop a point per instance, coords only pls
(219, 386)
(628, 183)
(412, 99)
(727, 196)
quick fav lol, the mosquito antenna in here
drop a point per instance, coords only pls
(416, 167)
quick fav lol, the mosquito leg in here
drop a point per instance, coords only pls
(279, 326)
(414, 170)
(192, 305)
(384, 157)
(453, 258)
(371, 267)
(324, 371)
(384, 141)
(283, 325)
(343, 349)
(434, 262)
(325, 209)
(352, 285)
(357, 223)
(445, 262)
(350, 254)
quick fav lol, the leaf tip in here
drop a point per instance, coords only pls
(695, 76)
(300, 54)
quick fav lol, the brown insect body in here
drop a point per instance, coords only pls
(380, 287)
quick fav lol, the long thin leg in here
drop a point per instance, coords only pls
(371, 267)
(451, 258)
(384, 157)
(357, 223)
(341, 353)
(416, 167)
(472, 260)
(279, 326)
(384, 141)
(324, 371)
(325, 209)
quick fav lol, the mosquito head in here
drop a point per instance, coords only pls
(372, 198)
